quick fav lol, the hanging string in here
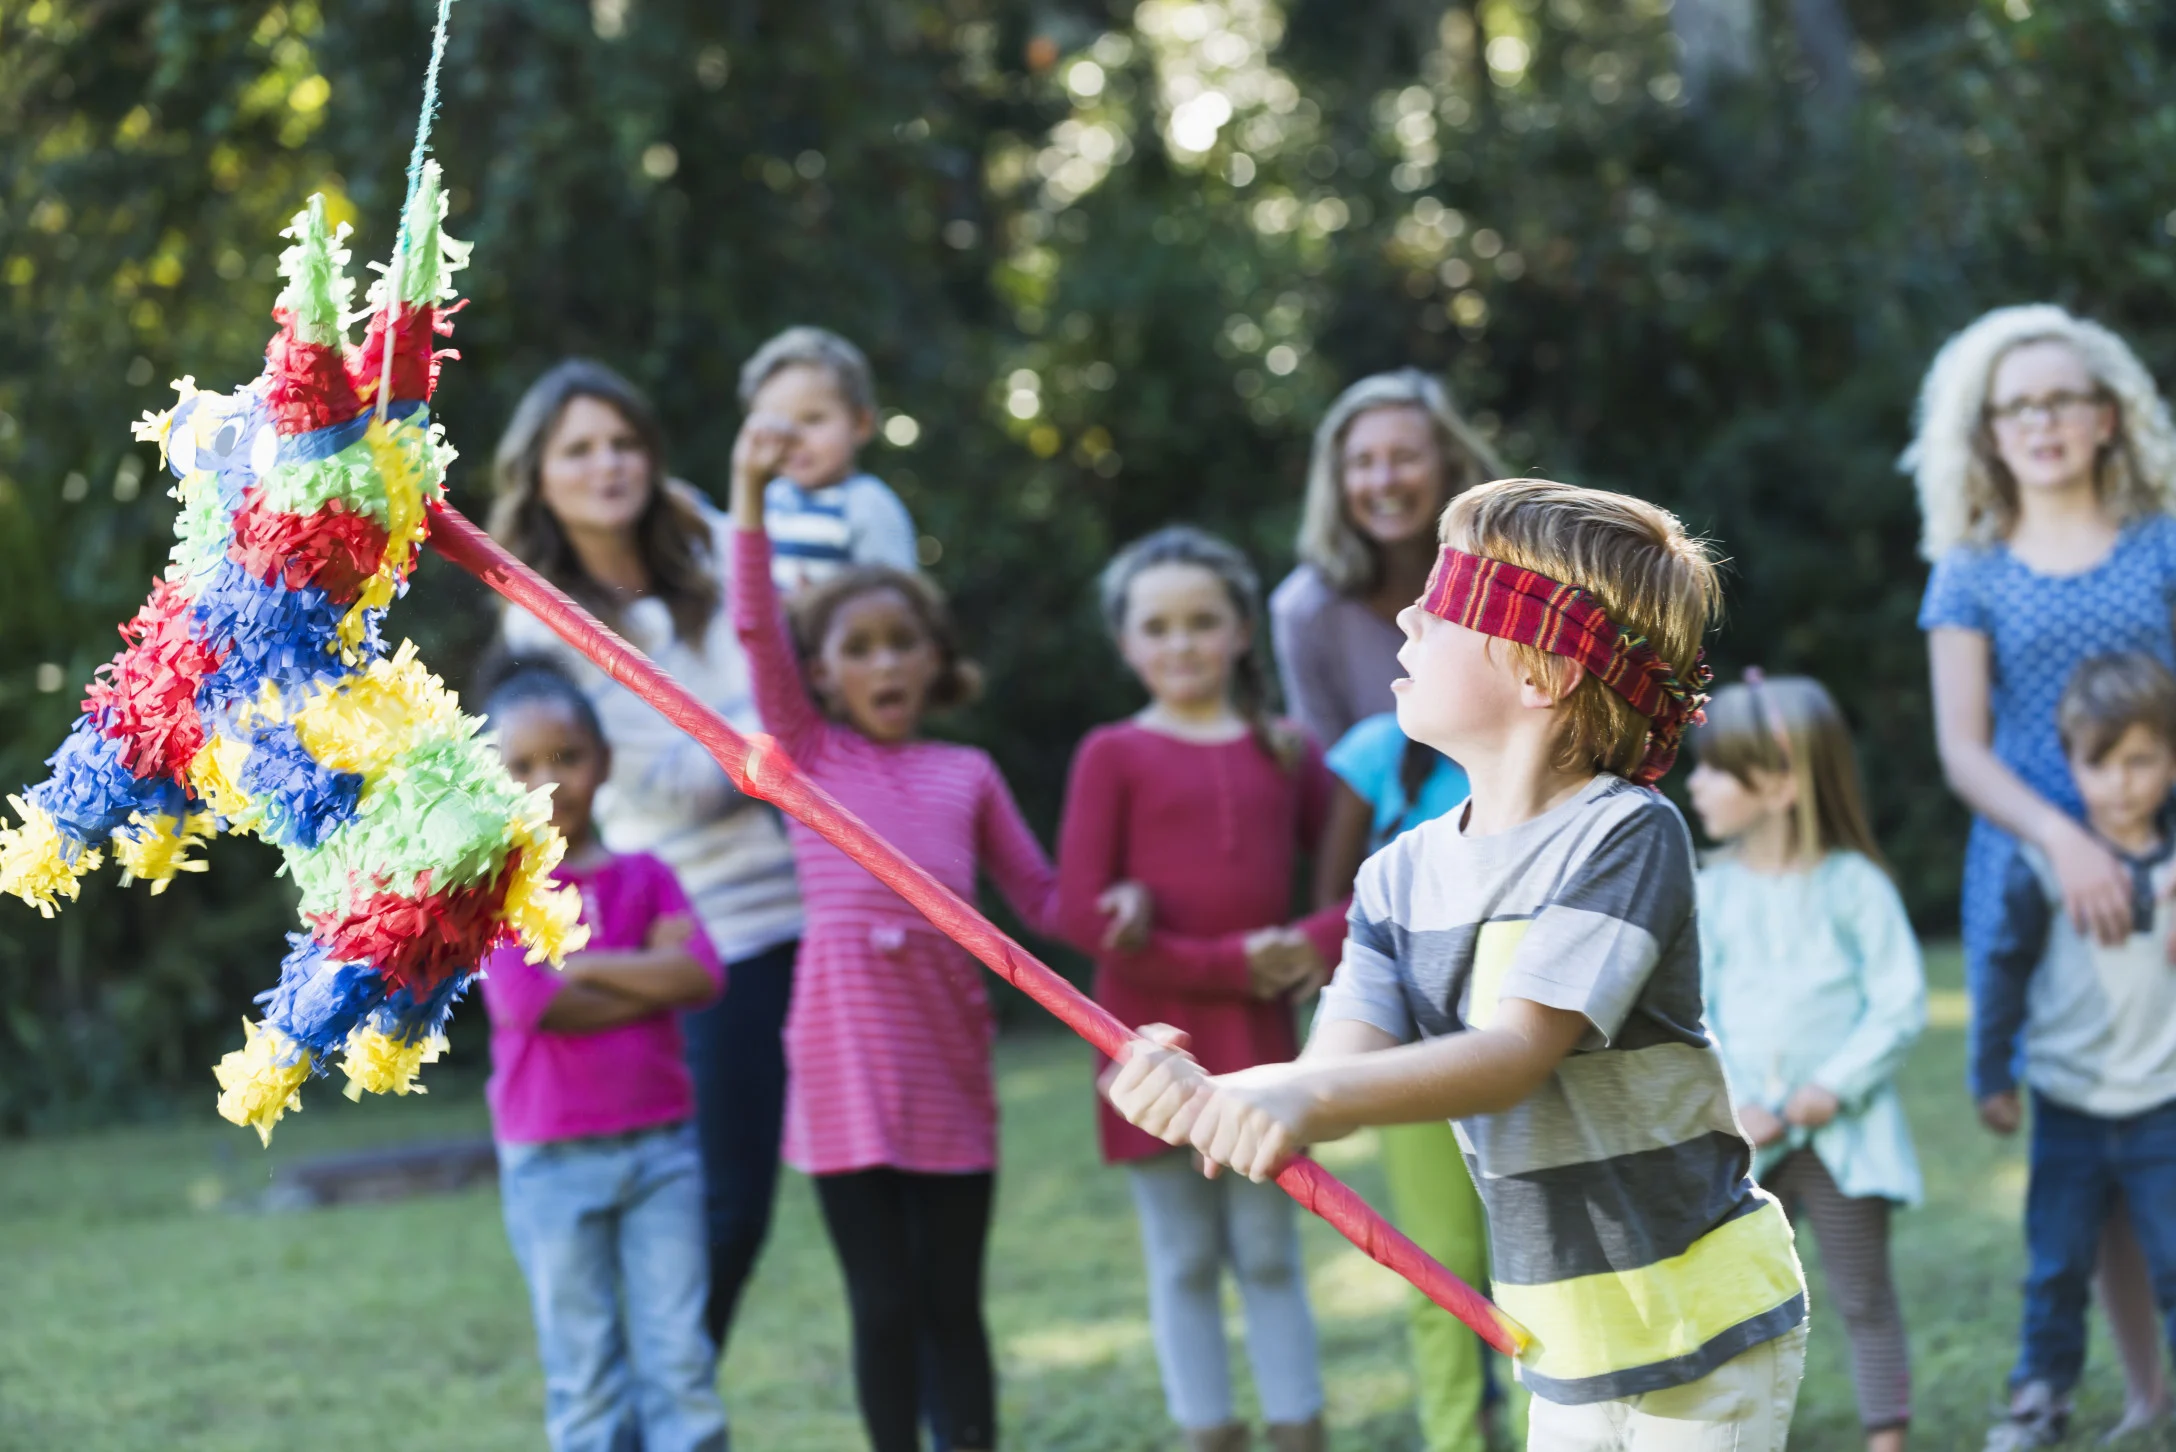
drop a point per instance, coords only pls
(428, 114)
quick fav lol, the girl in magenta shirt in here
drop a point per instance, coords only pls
(1209, 804)
(600, 1176)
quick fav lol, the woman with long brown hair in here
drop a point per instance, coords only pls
(583, 497)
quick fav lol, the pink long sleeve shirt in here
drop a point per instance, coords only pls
(547, 1086)
(1216, 834)
(888, 1038)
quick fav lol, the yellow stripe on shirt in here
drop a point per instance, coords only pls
(1493, 949)
(1614, 1321)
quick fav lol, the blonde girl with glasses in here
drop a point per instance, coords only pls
(2046, 468)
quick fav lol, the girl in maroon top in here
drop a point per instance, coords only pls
(1210, 804)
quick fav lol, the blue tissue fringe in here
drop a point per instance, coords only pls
(90, 793)
(301, 799)
(308, 448)
(269, 632)
(405, 1018)
(320, 999)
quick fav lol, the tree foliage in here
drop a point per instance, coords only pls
(1110, 264)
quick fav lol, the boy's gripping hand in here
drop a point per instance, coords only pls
(1255, 1121)
(1156, 1088)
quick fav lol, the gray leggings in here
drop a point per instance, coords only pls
(1191, 1229)
(1854, 1239)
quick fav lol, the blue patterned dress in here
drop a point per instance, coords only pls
(2040, 627)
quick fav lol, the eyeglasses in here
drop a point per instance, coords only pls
(2051, 407)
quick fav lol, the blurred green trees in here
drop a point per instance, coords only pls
(1110, 262)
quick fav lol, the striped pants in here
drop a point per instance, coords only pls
(1854, 1239)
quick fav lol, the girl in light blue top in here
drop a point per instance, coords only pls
(1814, 994)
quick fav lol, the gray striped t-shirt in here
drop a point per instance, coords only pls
(1624, 1228)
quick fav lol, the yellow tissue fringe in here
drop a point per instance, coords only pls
(255, 1086)
(34, 863)
(546, 914)
(397, 451)
(159, 848)
(376, 1064)
(154, 427)
(214, 774)
(366, 721)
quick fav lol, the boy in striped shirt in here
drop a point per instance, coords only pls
(1528, 966)
(824, 514)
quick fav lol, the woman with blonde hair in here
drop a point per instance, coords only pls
(2046, 468)
(1388, 456)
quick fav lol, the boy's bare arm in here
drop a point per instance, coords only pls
(1255, 1121)
(1343, 1036)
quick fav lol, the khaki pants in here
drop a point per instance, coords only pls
(1744, 1405)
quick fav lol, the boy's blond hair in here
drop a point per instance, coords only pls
(812, 348)
(1655, 582)
(2109, 694)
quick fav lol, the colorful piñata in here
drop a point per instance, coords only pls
(255, 695)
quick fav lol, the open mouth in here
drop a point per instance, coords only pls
(889, 700)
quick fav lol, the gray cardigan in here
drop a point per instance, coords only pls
(1335, 656)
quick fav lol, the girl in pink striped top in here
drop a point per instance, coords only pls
(889, 1100)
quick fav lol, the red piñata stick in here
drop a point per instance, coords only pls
(761, 768)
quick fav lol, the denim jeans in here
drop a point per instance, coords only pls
(609, 1233)
(737, 1058)
(2079, 1164)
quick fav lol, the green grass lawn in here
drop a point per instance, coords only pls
(142, 1307)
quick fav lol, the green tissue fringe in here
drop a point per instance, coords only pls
(443, 806)
(318, 291)
(201, 529)
(350, 476)
(430, 258)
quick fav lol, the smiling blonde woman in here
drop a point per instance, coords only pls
(1390, 453)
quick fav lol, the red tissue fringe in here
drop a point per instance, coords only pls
(145, 697)
(335, 549)
(418, 941)
(415, 365)
(310, 388)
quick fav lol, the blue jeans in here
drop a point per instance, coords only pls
(737, 1058)
(609, 1233)
(2080, 1162)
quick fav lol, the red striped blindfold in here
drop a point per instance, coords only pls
(1532, 609)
